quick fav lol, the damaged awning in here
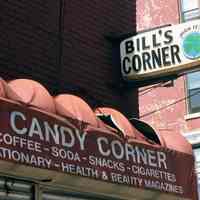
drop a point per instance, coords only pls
(60, 139)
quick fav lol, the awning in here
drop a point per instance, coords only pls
(41, 140)
(31, 93)
(68, 103)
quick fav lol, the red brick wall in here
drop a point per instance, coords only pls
(164, 108)
(157, 104)
(154, 13)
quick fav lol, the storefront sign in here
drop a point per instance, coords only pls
(161, 52)
(29, 137)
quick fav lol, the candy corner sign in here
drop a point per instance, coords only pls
(28, 137)
(161, 52)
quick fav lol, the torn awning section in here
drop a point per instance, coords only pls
(41, 139)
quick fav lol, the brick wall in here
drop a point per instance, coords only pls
(162, 107)
(29, 40)
(63, 45)
(88, 61)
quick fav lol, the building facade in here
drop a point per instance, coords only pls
(62, 134)
(171, 106)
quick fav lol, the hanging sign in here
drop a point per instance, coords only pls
(161, 52)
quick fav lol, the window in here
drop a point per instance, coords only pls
(54, 193)
(194, 139)
(190, 9)
(197, 160)
(13, 189)
(193, 92)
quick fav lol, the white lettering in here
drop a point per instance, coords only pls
(49, 131)
(81, 138)
(64, 132)
(117, 149)
(100, 142)
(13, 122)
(35, 129)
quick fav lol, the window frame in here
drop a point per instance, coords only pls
(182, 12)
(193, 138)
(189, 112)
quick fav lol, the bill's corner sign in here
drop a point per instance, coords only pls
(161, 52)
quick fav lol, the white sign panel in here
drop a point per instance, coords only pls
(160, 52)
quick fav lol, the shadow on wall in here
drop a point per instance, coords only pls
(63, 45)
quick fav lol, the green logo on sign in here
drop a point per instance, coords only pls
(191, 45)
